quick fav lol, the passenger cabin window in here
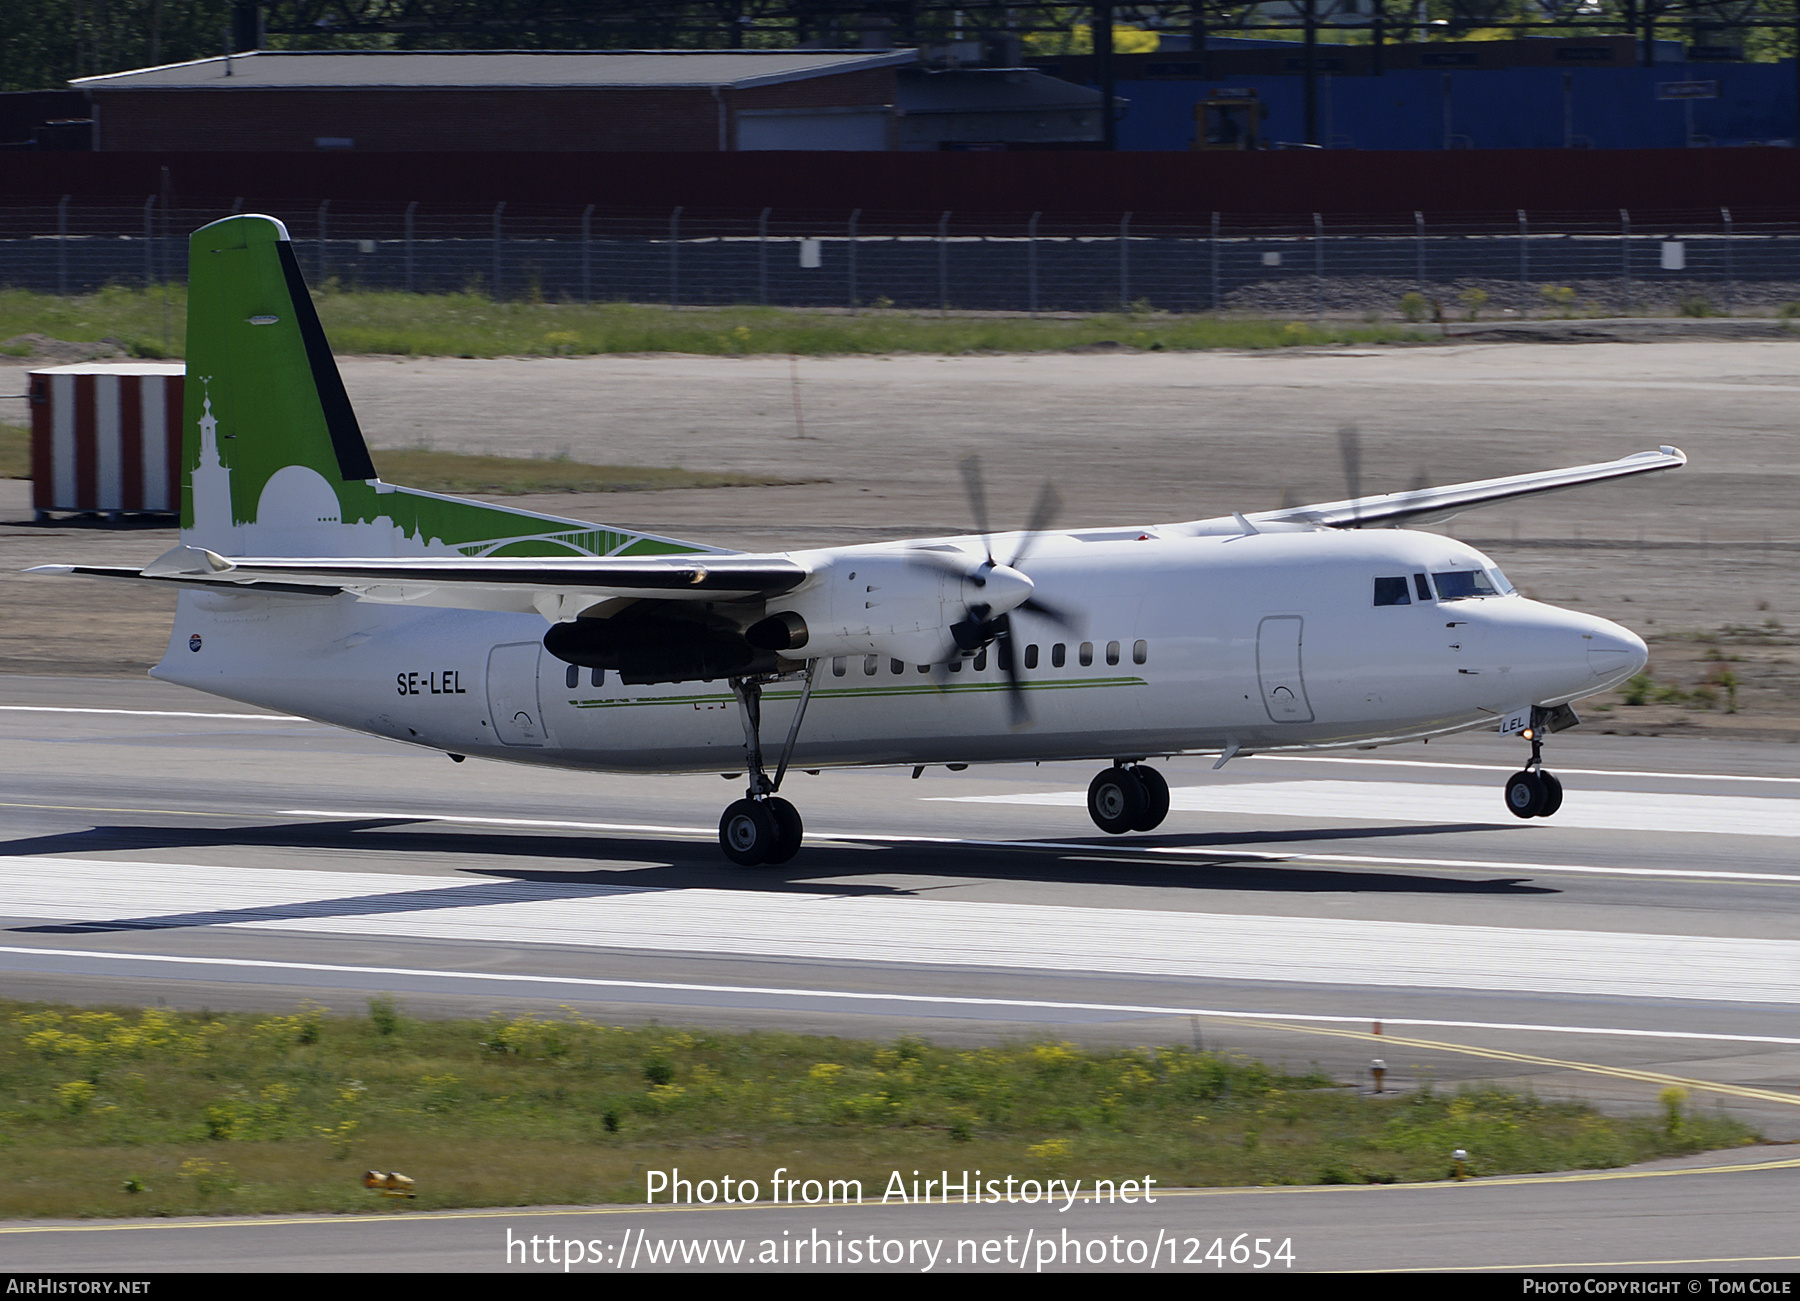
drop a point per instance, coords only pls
(1461, 584)
(1140, 652)
(1112, 652)
(839, 666)
(871, 665)
(898, 667)
(1087, 653)
(1031, 656)
(1059, 655)
(1422, 587)
(955, 666)
(573, 677)
(1391, 591)
(981, 659)
(597, 677)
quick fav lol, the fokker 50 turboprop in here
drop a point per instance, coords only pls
(308, 585)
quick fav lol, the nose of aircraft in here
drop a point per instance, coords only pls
(1614, 653)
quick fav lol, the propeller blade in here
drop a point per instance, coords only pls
(940, 562)
(1017, 708)
(1350, 449)
(1044, 610)
(1043, 515)
(972, 484)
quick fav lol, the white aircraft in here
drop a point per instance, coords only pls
(308, 585)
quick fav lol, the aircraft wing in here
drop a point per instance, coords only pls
(1424, 505)
(561, 583)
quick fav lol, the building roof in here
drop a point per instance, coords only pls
(978, 90)
(495, 69)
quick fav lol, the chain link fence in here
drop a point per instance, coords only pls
(1620, 262)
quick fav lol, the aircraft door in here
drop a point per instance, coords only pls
(1278, 640)
(512, 693)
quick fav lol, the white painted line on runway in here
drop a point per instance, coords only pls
(150, 713)
(940, 1000)
(1509, 768)
(1416, 802)
(884, 928)
(1512, 866)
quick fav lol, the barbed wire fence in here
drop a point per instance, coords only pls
(1622, 262)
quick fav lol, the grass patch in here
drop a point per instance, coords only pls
(161, 1113)
(457, 472)
(470, 325)
(15, 452)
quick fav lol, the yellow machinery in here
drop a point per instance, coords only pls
(1230, 117)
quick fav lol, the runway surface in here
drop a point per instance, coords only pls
(161, 845)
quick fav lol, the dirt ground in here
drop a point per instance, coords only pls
(1700, 561)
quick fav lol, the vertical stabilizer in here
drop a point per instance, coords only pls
(275, 463)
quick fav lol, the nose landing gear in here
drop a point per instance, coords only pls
(1128, 797)
(1531, 792)
(762, 828)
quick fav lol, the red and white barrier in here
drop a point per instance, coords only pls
(106, 437)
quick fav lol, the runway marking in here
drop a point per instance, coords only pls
(1416, 802)
(1274, 758)
(567, 1212)
(1507, 768)
(1520, 868)
(1512, 866)
(1276, 1020)
(1532, 1059)
(883, 928)
(150, 713)
(91, 808)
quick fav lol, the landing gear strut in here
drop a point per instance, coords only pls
(1531, 792)
(1128, 797)
(763, 828)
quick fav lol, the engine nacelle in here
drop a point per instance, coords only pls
(869, 603)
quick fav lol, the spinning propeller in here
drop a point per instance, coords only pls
(993, 589)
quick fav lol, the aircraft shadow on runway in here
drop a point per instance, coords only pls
(623, 865)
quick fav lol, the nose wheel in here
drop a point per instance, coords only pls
(1531, 792)
(1128, 798)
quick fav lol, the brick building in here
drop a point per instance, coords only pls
(507, 101)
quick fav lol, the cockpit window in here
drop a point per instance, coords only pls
(1391, 591)
(1460, 584)
(1422, 587)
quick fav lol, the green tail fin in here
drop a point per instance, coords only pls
(275, 463)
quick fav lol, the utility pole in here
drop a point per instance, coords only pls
(1101, 26)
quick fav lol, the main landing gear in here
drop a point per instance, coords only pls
(762, 828)
(1531, 792)
(1128, 797)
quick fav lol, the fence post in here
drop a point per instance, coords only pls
(1730, 275)
(1214, 249)
(62, 246)
(1524, 250)
(1031, 261)
(499, 269)
(851, 249)
(587, 254)
(324, 219)
(943, 252)
(1318, 265)
(149, 240)
(1125, 263)
(762, 257)
(1419, 248)
(1625, 256)
(675, 259)
(411, 209)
